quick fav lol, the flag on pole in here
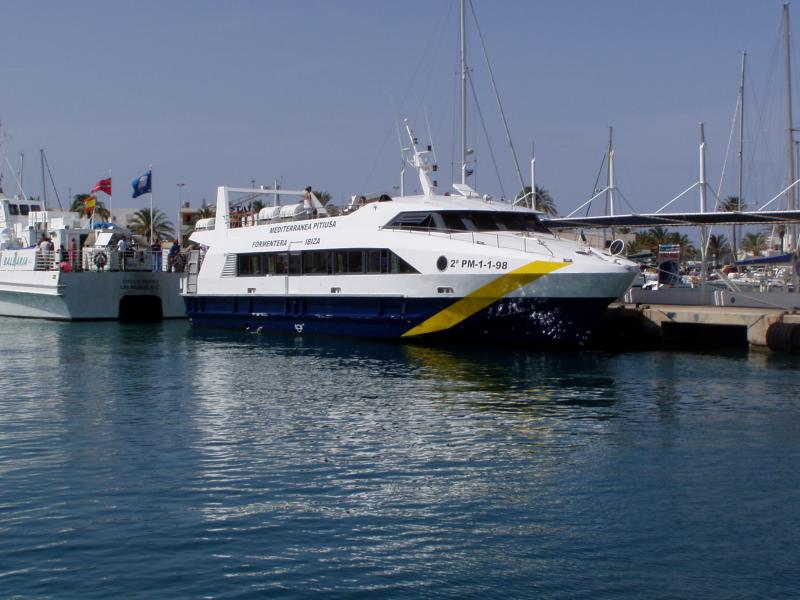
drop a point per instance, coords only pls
(89, 204)
(141, 185)
(104, 185)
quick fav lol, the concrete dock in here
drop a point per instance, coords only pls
(642, 326)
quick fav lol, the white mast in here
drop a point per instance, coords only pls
(703, 242)
(463, 95)
(44, 180)
(792, 241)
(741, 130)
(610, 173)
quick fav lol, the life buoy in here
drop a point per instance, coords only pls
(100, 260)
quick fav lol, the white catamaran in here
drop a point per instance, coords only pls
(431, 266)
(79, 273)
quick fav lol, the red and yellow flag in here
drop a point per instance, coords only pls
(90, 203)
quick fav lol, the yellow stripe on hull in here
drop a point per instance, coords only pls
(484, 296)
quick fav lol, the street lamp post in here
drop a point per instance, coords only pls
(179, 225)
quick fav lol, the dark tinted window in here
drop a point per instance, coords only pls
(322, 262)
(315, 263)
(373, 263)
(413, 220)
(13, 209)
(295, 264)
(468, 220)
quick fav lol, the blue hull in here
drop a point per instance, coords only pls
(526, 321)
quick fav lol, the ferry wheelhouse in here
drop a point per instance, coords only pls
(431, 266)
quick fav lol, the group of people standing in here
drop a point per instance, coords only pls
(174, 257)
(69, 260)
(47, 259)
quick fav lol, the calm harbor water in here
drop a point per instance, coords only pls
(158, 461)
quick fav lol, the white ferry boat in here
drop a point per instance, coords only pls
(83, 276)
(432, 266)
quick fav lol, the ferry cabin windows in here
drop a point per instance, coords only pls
(468, 220)
(22, 209)
(322, 262)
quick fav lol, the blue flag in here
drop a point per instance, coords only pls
(141, 185)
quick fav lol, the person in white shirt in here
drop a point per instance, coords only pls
(122, 250)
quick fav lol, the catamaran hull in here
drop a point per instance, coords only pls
(86, 296)
(524, 321)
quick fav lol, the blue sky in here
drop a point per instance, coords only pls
(214, 93)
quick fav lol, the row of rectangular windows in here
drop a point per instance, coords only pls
(22, 209)
(321, 262)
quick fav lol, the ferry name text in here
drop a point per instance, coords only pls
(306, 226)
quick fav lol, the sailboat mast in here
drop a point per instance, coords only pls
(741, 132)
(463, 95)
(44, 180)
(789, 125)
(610, 173)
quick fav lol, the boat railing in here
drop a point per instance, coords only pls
(526, 242)
(102, 259)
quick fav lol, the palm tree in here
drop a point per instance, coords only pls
(718, 247)
(754, 243)
(687, 248)
(323, 196)
(142, 224)
(660, 235)
(543, 201)
(733, 204)
(641, 241)
(79, 206)
(205, 212)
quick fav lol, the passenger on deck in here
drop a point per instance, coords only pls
(44, 255)
(308, 203)
(122, 251)
(174, 252)
(362, 201)
(155, 255)
(63, 260)
(73, 254)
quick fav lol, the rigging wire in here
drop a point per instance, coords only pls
(488, 141)
(497, 96)
(424, 56)
(728, 148)
(52, 181)
(596, 183)
(430, 133)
